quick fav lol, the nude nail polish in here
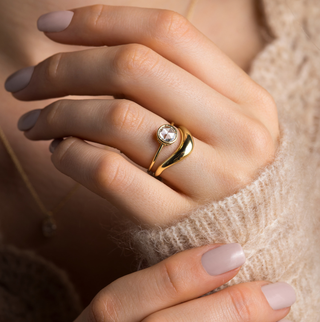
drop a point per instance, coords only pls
(279, 295)
(28, 120)
(55, 21)
(19, 80)
(54, 144)
(223, 259)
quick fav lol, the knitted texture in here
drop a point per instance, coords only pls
(34, 290)
(276, 217)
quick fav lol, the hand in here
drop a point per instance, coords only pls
(164, 70)
(169, 291)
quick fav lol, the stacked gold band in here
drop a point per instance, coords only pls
(184, 149)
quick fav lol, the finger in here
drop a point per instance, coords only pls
(129, 128)
(166, 32)
(178, 278)
(142, 76)
(246, 302)
(108, 174)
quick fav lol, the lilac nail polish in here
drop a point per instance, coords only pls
(223, 259)
(55, 21)
(279, 295)
(28, 120)
(19, 80)
(54, 144)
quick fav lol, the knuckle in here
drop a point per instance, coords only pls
(265, 104)
(110, 172)
(53, 113)
(171, 25)
(125, 116)
(94, 15)
(260, 144)
(104, 308)
(52, 68)
(240, 304)
(134, 60)
(64, 151)
(168, 282)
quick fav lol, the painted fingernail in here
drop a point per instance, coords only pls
(223, 259)
(54, 144)
(279, 295)
(55, 21)
(28, 120)
(19, 80)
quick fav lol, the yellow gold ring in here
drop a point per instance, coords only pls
(166, 135)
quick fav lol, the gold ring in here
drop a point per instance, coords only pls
(166, 135)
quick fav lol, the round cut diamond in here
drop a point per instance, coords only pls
(167, 134)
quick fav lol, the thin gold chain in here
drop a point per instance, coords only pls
(49, 225)
(190, 9)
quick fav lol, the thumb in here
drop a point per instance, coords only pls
(179, 278)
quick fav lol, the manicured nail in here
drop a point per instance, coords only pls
(55, 21)
(223, 259)
(54, 144)
(279, 295)
(28, 120)
(19, 80)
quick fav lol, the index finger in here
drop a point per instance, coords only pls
(181, 277)
(166, 32)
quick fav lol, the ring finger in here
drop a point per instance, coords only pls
(128, 127)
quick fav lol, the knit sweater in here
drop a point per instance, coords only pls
(276, 218)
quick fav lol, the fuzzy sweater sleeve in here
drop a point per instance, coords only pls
(276, 217)
(271, 218)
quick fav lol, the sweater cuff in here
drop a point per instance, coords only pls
(33, 289)
(241, 218)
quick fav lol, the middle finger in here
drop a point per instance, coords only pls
(139, 74)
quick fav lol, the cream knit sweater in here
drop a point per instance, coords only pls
(276, 218)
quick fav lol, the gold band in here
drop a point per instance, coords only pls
(184, 149)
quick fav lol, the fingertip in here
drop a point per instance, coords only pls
(56, 21)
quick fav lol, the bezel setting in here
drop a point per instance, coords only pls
(163, 141)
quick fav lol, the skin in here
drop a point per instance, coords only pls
(86, 208)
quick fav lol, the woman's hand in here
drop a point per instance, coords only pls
(162, 70)
(170, 291)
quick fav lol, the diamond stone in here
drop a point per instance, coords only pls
(167, 134)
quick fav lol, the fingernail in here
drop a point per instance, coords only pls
(284, 321)
(19, 80)
(279, 295)
(54, 144)
(28, 120)
(55, 21)
(223, 259)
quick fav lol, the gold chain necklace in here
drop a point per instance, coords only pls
(49, 225)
